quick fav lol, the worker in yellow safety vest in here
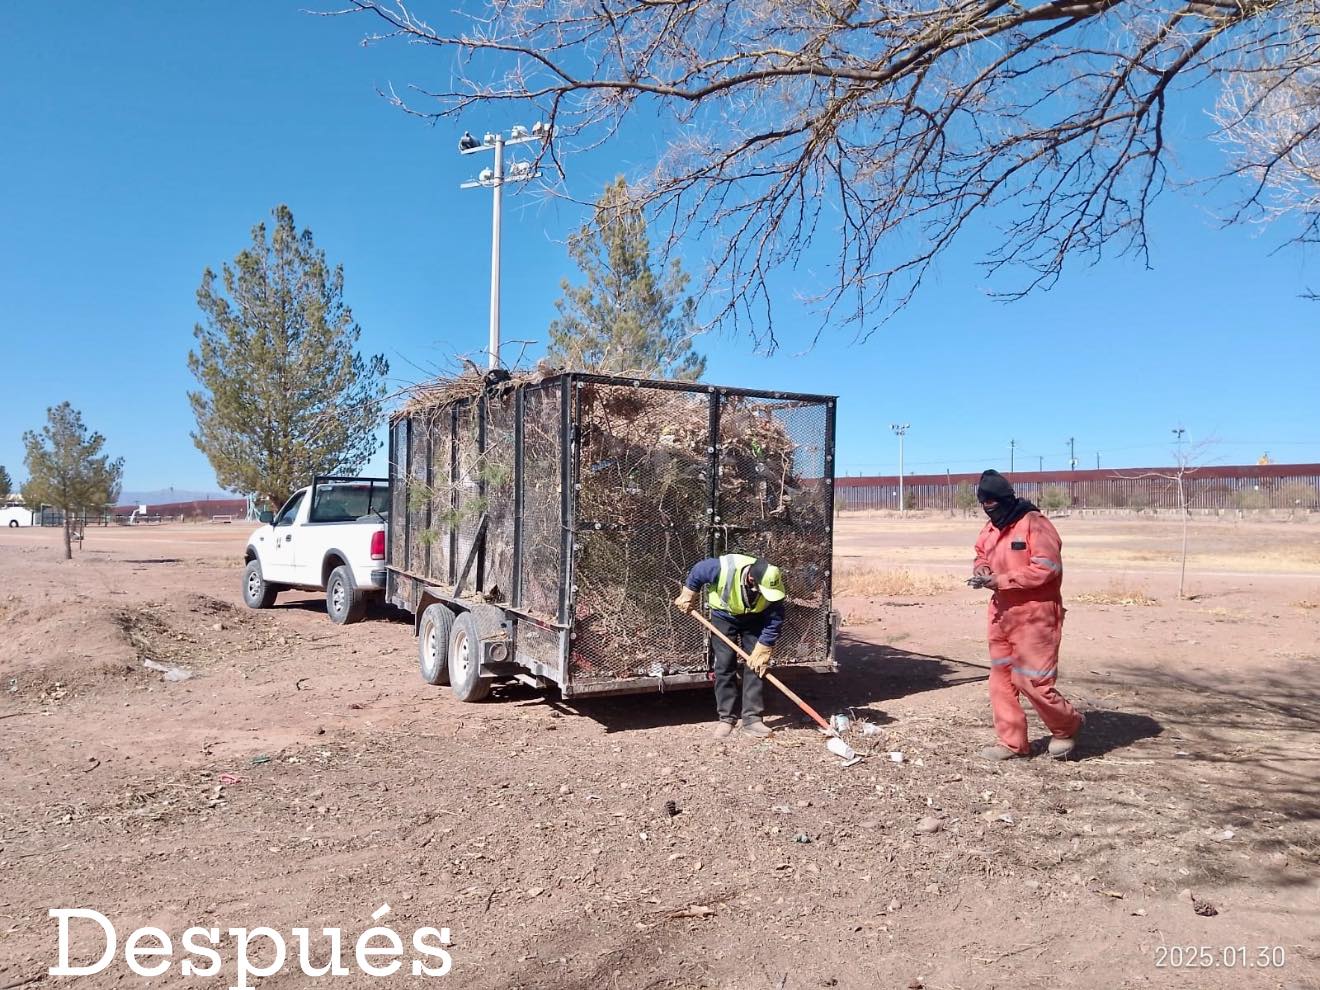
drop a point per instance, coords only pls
(746, 601)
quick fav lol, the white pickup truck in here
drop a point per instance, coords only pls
(328, 536)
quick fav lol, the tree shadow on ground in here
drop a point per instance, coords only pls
(868, 675)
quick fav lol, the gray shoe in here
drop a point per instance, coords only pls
(722, 730)
(1061, 749)
(998, 754)
(756, 729)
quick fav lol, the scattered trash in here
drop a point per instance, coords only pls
(802, 837)
(171, 673)
(671, 808)
(870, 729)
(565, 789)
(229, 778)
(929, 826)
(1224, 836)
(840, 722)
(896, 757)
(259, 759)
(535, 891)
(1139, 913)
(1112, 893)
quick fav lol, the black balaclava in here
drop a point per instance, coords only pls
(994, 487)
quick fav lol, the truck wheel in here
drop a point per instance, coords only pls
(433, 643)
(13, 524)
(465, 660)
(257, 591)
(343, 601)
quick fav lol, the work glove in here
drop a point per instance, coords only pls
(759, 661)
(686, 601)
(982, 579)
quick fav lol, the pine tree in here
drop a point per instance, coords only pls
(67, 470)
(284, 392)
(627, 317)
(6, 482)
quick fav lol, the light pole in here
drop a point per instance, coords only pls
(494, 179)
(900, 430)
(1012, 455)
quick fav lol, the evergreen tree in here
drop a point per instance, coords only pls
(627, 317)
(6, 482)
(67, 470)
(284, 392)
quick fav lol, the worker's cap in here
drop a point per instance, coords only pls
(769, 581)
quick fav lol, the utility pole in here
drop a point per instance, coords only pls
(1072, 453)
(1040, 463)
(1012, 452)
(1097, 460)
(900, 430)
(494, 179)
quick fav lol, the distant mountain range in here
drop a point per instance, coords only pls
(165, 495)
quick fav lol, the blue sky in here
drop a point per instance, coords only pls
(140, 142)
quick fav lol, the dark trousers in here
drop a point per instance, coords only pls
(738, 691)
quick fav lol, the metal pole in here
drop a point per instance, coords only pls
(902, 505)
(900, 429)
(1012, 452)
(495, 253)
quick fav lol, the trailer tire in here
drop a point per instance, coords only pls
(344, 603)
(257, 591)
(465, 660)
(13, 524)
(433, 643)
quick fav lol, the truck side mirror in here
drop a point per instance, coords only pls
(265, 516)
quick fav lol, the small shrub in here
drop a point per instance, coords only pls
(1117, 593)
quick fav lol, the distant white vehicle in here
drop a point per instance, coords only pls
(329, 536)
(15, 516)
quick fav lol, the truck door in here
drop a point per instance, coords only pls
(283, 555)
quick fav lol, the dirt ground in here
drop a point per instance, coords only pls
(303, 775)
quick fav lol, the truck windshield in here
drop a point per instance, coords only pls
(349, 501)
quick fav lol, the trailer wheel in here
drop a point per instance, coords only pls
(13, 524)
(433, 643)
(343, 601)
(465, 660)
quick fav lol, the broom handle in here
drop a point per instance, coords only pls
(767, 675)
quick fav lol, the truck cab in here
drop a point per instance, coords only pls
(329, 536)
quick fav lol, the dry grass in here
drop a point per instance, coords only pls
(890, 582)
(1118, 593)
(1306, 603)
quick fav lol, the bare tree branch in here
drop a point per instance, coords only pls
(888, 129)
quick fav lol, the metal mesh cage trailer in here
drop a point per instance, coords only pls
(565, 513)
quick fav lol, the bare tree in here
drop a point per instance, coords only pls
(889, 129)
(1185, 459)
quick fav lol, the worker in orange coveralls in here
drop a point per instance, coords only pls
(1018, 557)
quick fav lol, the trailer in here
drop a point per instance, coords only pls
(541, 525)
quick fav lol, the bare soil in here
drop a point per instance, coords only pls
(538, 830)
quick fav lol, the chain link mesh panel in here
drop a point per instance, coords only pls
(643, 490)
(774, 503)
(398, 533)
(468, 502)
(496, 477)
(542, 522)
(418, 499)
(438, 425)
(540, 645)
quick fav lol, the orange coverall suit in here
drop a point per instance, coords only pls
(1026, 624)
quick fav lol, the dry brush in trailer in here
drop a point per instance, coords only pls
(542, 523)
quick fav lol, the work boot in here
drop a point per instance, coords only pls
(755, 728)
(722, 730)
(1061, 749)
(998, 754)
